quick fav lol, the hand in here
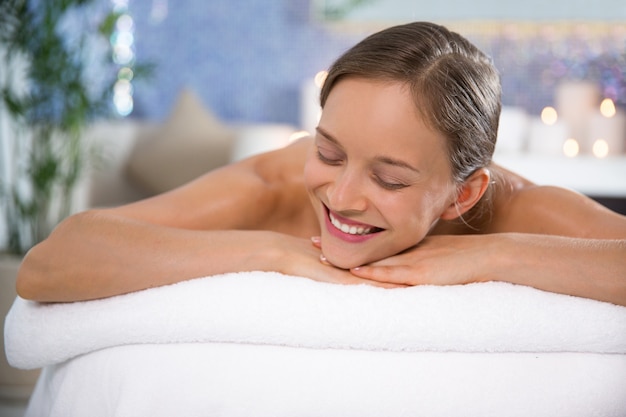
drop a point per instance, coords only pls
(437, 260)
(302, 257)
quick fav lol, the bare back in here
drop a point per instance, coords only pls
(264, 192)
(267, 192)
(227, 221)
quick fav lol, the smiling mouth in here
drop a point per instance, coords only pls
(352, 229)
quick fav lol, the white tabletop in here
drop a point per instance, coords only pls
(598, 177)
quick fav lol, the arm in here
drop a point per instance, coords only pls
(546, 237)
(99, 254)
(561, 241)
(204, 228)
(153, 242)
(589, 268)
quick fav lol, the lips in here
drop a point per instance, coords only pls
(349, 230)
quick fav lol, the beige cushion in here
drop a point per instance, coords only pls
(190, 143)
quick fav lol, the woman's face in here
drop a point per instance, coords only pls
(378, 178)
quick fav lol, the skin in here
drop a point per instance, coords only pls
(373, 164)
(401, 186)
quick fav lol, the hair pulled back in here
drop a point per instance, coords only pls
(455, 86)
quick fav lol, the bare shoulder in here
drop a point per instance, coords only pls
(519, 205)
(282, 175)
(249, 194)
(282, 165)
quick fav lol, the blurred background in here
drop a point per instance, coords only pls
(562, 63)
(253, 62)
(108, 101)
(248, 59)
(250, 65)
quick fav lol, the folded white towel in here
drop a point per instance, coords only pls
(270, 308)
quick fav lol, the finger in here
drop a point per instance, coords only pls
(342, 276)
(354, 280)
(396, 274)
(385, 285)
(317, 241)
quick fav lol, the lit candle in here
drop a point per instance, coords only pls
(608, 130)
(576, 102)
(547, 134)
(512, 130)
(571, 148)
(310, 110)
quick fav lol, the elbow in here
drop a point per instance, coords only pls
(23, 283)
(41, 273)
(52, 270)
(37, 277)
(30, 277)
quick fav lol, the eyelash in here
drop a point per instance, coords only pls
(384, 184)
(392, 186)
(326, 160)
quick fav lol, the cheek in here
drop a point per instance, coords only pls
(315, 173)
(408, 219)
(415, 215)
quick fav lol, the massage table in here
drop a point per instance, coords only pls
(266, 344)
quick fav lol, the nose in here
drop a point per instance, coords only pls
(347, 192)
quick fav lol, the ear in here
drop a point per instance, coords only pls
(468, 194)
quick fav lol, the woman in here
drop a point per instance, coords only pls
(397, 189)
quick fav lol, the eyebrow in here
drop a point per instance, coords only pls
(383, 159)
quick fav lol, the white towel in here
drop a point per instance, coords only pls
(274, 309)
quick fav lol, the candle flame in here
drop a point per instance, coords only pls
(571, 148)
(600, 148)
(607, 108)
(320, 77)
(549, 115)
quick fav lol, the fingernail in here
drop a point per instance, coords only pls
(323, 259)
(316, 239)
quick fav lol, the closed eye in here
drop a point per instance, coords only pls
(328, 159)
(388, 185)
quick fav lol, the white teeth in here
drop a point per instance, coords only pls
(351, 230)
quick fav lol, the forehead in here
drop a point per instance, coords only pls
(380, 114)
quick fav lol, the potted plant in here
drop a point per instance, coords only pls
(57, 74)
(47, 101)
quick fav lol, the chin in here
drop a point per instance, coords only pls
(343, 263)
(341, 258)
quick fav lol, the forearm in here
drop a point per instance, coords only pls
(590, 268)
(95, 255)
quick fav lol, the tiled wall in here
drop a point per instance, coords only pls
(247, 59)
(533, 60)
